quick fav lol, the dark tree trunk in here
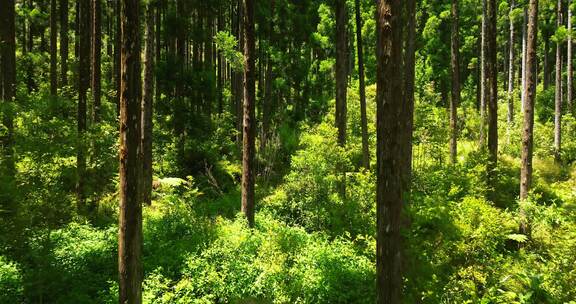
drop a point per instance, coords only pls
(530, 97)
(130, 223)
(569, 86)
(362, 85)
(96, 58)
(7, 81)
(63, 42)
(455, 98)
(511, 72)
(484, 94)
(147, 105)
(558, 91)
(267, 107)
(410, 63)
(492, 73)
(118, 54)
(249, 127)
(389, 169)
(341, 70)
(83, 85)
(546, 62)
(53, 48)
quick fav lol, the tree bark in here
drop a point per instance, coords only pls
(362, 88)
(341, 70)
(63, 42)
(53, 48)
(268, 103)
(130, 223)
(96, 59)
(492, 74)
(483, 75)
(7, 82)
(83, 85)
(524, 43)
(389, 159)
(558, 91)
(410, 63)
(249, 126)
(569, 83)
(511, 73)
(530, 97)
(455, 100)
(147, 107)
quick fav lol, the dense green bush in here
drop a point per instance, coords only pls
(11, 287)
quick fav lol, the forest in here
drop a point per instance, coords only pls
(287, 151)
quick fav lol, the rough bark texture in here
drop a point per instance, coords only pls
(455, 100)
(530, 97)
(63, 42)
(483, 81)
(558, 91)
(511, 71)
(84, 83)
(362, 85)
(130, 223)
(7, 82)
(492, 78)
(96, 58)
(147, 106)
(341, 70)
(389, 169)
(249, 126)
(53, 48)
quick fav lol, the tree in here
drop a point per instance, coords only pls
(558, 89)
(455, 100)
(530, 97)
(64, 42)
(341, 69)
(389, 123)
(147, 106)
(84, 83)
(96, 58)
(569, 68)
(362, 88)
(130, 223)
(483, 74)
(53, 48)
(7, 81)
(410, 64)
(492, 80)
(249, 127)
(511, 70)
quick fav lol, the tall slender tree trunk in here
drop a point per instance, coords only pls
(409, 67)
(7, 82)
(558, 90)
(455, 100)
(130, 223)
(249, 128)
(362, 88)
(53, 48)
(63, 42)
(83, 85)
(341, 70)
(569, 85)
(546, 62)
(96, 59)
(530, 97)
(524, 43)
(118, 54)
(483, 74)
(511, 72)
(147, 107)
(389, 99)
(268, 102)
(492, 78)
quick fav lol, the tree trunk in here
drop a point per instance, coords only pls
(524, 43)
(130, 223)
(249, 128)
(409, 62)
(7, 81)
(530, 97)
(558, 91)
(147, 106)
(362, 85)
(63, 42)
(569, 88)
(546, 62)
(511, 73)
(53, 48)
(96, 58)
(341, 70)
(117, 54)
(492, 74)
(389, 159)
(267, 107)
(83, 85)
(455, 100)
(483, 75)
